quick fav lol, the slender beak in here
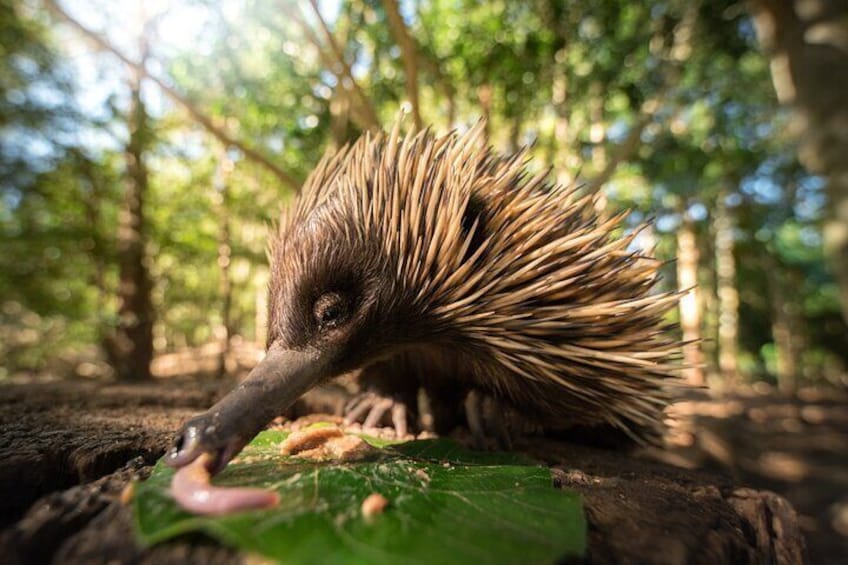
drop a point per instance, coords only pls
(223, 430)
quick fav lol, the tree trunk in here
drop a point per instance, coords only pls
(131, 346)
(514, 139)
(597, 128)
(484, 96)
(93, 201)
(71, 473)
(728, 295)
(690, 309)
(808, 46)
(339, 118)
(783, 324)
(708, 295)
(225, 287)
(409, 54)
(564, 160)
(364, 109)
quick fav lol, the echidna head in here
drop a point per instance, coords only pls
(329, 312)
(336, 302)
(330, 293)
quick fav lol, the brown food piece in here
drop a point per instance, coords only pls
(374, 504)
(325, 444)
(305, 440)
(127, 494)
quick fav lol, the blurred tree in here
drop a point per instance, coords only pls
(808, 46)
(221, 185)
(409, 54)
(130, 347)
(334, 57)
(690, 307)
(193, 110)
(54, 203)
(726, 290)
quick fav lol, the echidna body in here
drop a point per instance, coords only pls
(439, 257)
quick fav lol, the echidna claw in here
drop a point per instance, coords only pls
(371, 409)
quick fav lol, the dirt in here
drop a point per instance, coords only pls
(796, 446)
(69, 449)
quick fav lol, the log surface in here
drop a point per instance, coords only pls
(70, 448)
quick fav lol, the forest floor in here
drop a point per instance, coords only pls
(796, 447)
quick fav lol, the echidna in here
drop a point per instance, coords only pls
(436, 262)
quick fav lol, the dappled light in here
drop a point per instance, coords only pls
(796, 446)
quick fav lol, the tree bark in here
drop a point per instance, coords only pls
(808, 46)
(131, 346)
(690, 308)
(728, 295)
(708, 295)
(409, 54)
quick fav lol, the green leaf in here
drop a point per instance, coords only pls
(446, 505)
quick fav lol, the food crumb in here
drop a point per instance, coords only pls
(127, 494)
(374, 504)
(340, 520)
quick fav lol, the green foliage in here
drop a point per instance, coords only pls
(446, 505)
(54, 204)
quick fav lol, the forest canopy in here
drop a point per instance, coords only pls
(145, 148)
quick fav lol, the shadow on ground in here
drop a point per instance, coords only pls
(795, 446)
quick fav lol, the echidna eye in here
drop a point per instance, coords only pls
(330, 310)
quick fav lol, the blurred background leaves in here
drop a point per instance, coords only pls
(145, 147)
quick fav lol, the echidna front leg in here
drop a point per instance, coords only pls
(370, 408)
(488, 421)
(386, 396)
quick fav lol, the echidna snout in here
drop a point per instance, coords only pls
(440, 263)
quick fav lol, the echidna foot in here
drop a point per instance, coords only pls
(488, 421)
(371, 409)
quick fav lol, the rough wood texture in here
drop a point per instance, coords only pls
(69, 449)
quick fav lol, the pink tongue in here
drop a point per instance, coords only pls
(193, 491)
